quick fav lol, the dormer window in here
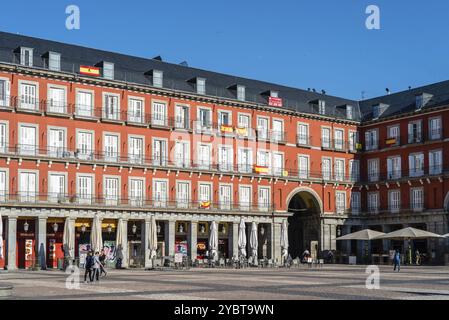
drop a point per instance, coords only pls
(108, 70)
(200, 85)
(322, 107)
(241, 93)
(421, 100)
(349, 112)
(378, 109)
(26, 56)
(54, 61)
(158, 78)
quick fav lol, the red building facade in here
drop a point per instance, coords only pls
(190, 147)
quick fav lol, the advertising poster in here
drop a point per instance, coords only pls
(110, 251)
(181, 247)
(28, 250)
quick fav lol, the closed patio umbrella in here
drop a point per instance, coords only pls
(242, 238)
(253, 242)
(365, 234)
(408, 233)
(96, 239)
(213, 240)
(152, 240)
(284, 239)
(121, 240)
(446, 235)
(68, 238)
(1, 237)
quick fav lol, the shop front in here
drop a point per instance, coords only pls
(135, 248)
(82, 239)
(181, 244)
(55, 253)
(109, 234)
(202, 241)
(223, 240)
(26, 243)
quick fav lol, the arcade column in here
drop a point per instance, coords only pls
(12, 243)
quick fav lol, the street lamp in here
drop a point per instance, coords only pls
(134, 228)
(262, 230)
(55, 227)
(83, 228)
(158, 228)
(26, 226)
(109, 228)
(223, 229)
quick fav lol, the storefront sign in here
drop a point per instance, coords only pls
(274, 102)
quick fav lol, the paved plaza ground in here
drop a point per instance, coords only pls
(330, 282)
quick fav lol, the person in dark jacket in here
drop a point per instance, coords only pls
(88, 267)
(102, 259)
(397, 261)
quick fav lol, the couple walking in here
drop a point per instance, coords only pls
(94, 266)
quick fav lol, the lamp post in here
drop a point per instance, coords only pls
(26, 226)
(134, 228)
(55, 227)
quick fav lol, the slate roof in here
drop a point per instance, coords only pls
(175, 76)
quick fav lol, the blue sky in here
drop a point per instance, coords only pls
(320, 44)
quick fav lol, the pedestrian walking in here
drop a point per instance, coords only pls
(417, 257)
(397, 261)
(102, 259)
(88, 267)
(96, 266)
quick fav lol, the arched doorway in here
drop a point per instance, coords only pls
(304, 224)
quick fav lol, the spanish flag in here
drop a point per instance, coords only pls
(205, 204)
(358, 146)
(227, 129)
(261, 170)
(242, 131)
(90, 71)
(390, 141)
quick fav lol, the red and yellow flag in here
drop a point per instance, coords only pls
(90, 71)
(205, 204)
(260, 169)
(227, 129)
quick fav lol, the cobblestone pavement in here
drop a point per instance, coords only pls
(330, 282)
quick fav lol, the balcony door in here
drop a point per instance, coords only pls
(28, 140)
(56, 143)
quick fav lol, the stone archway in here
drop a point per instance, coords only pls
(304, 224)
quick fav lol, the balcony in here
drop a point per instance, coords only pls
(87, 112)
(57, 108)
(160, 122)
(7, 102)
(435, 134)
(28, 104)
(86, 200)
(303, 140)
(415, 138)
(279, 137)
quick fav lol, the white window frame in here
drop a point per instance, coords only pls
(225, 205)
(136, 158)
(133, 116)
(106, 112)
(245, 206)
(85, 110)
(394, 200)
(59, 107)
(31, 196)
(435, 133)
(111, 157)
(29, 105)
(108, 199)
(263, 206)
(373, 175)
(183, 203)
(435, 168)
(163, 200)
(136, 201)
(57, 197)
(88, 198)
(340, 208)
(90, 153)
(26, 148)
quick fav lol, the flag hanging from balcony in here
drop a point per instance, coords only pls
(205, 204)
(261, 170)
(241, 131)
(90, 71)
(227, 129)
(391, 141)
